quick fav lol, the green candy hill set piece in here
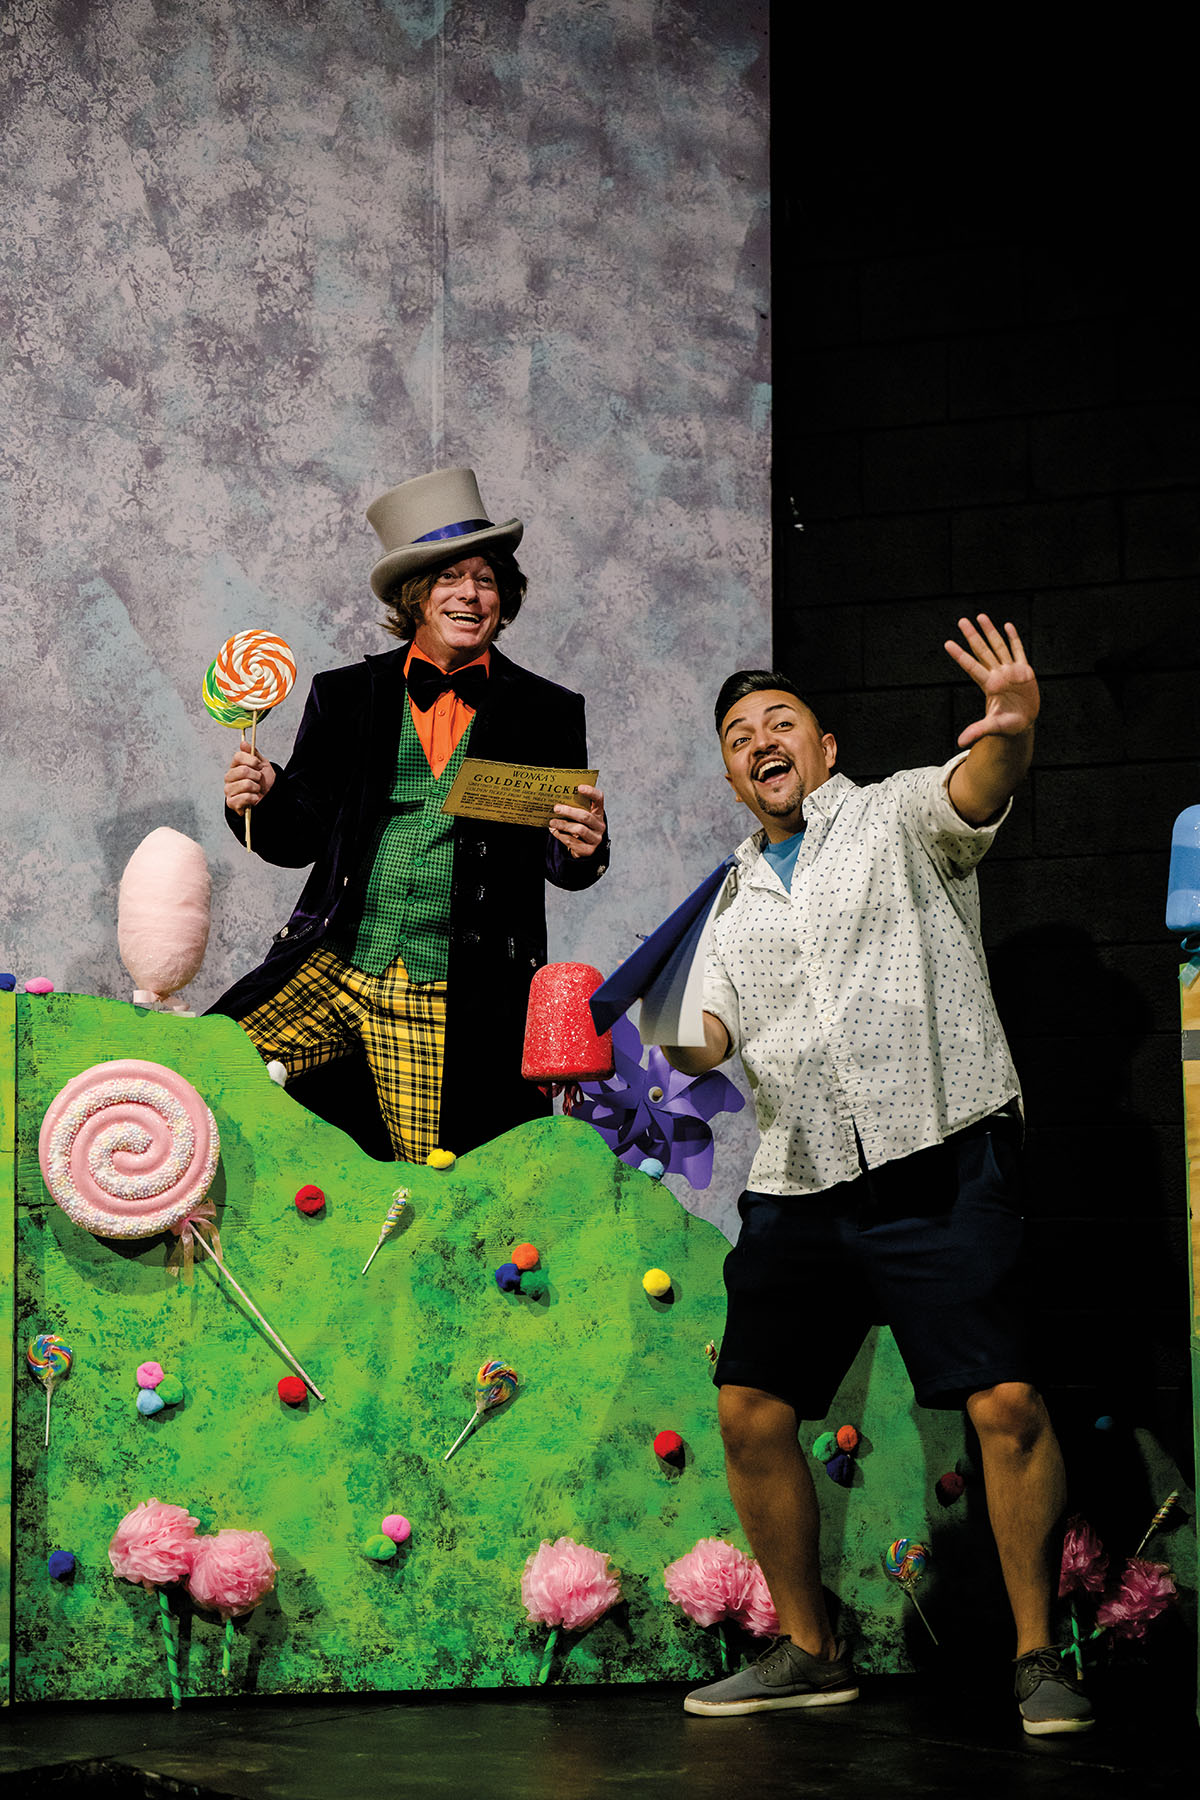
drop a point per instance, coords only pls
(396, 1353)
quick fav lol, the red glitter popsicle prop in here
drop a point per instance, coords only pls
(254, 670)
(562, 1045)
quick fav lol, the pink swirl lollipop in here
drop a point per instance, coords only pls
(254, 669)
(128, 1149)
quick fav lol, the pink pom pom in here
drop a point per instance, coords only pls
(154, 1543)
(711, 1582)
(567, 1584)
(1146, 1590)
(149, 1374)
(1084, 1563)
(757, 1611)
(232, 1571)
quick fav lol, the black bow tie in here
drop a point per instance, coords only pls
(427, 683)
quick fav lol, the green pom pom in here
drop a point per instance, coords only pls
(534, 1285)
(379, 1548)
(170, 1390)
(826, 1446)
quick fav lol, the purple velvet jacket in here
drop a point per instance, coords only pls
(322, 810)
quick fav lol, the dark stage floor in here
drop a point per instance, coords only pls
(903, 1737)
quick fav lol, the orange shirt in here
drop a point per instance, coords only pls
(441, 725)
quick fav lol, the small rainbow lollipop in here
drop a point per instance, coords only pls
(222, 710)
(904, 1561)
(399, 1201)
(254, 670)
(495, 1384)
(49, 1359)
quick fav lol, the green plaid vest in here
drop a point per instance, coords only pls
(404, 879)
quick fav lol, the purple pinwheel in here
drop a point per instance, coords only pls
(655, 1111)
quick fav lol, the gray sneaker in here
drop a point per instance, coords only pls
(1050, 1695)
(784, 1675)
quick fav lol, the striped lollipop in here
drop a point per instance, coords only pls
(48, 1358)
(495, 1385)
(253, 672)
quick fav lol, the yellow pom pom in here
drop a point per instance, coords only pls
(440, 1159)
(656, 1283)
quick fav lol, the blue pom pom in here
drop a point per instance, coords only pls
(7, 983)
(1105, 1422)
(508, 1278)
(651, 1166)
(149, 1402)
(60, 1564)
(840, 1468)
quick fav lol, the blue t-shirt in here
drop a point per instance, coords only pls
(782, 857)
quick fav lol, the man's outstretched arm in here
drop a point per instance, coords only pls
(698, 1059)
(1001, 743)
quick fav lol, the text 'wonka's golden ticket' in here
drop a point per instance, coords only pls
(514, 793)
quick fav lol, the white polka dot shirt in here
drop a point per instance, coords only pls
(860, 999)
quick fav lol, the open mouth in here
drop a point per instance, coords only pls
(458, 618)
(772, 769)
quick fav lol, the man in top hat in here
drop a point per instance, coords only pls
(417, 934)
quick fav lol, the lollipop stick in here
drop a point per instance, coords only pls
(463, 1435)
(371, 1258)
(924, 1620)
(271, 1333)
(49, 1391)
(226, 1649)
(253, 735)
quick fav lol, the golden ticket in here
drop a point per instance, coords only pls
(514, 793)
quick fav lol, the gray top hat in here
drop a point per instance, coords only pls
(430, 518)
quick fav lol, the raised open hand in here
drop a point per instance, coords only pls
(1001, 671)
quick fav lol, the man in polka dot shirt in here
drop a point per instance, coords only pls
(848, 973)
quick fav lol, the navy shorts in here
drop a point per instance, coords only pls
(930, 1245)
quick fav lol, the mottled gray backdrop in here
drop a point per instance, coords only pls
(264, 258)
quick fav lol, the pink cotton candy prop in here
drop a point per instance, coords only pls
(163, 915)
(231, 1572)
(568, 1587)
(1146, 1590)
(155, 1543)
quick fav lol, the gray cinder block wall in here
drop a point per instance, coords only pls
(986, 401)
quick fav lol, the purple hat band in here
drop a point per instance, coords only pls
(464, 528)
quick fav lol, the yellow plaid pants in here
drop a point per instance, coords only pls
(328, 1008)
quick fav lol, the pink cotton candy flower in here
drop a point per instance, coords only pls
(232, 1571)
(566, 1584)
(1146, 1590)
(1084, 1567)
(716, 1581)
(154, 1543)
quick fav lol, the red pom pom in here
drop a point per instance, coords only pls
(526, 1256)
(668, 1444)
(309, 1200)
(949, 1487)
(847, 1439)
(292, 1390)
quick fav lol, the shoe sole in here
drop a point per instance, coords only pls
(1048, 1727)
(728, 1708)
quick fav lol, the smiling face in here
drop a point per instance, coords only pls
(461, 616)
(775, 754)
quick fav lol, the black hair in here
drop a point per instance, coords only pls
(753, 681)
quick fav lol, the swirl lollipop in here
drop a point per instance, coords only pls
(48, 1358)
(254, 670)
(904, 1561)
(400, 1200)
(129, 1149)
(495, 1385)
(222, 710)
